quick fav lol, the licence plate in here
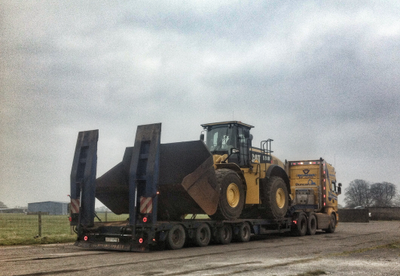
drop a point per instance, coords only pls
(110, 239)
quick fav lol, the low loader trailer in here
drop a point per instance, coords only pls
(216, 189)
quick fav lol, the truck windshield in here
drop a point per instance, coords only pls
(220, 139)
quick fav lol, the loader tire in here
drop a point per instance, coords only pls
(275, 198)
(231, 198)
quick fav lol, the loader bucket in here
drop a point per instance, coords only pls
(187, 183)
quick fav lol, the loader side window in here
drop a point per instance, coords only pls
(244, 144)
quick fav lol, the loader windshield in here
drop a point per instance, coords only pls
(220, 139)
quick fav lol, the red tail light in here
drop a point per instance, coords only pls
(145, 219)
(141, 240)
(85, 238)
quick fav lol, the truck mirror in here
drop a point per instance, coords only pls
(202, 137)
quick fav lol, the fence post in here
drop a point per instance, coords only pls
(40, 223)
(106, 216)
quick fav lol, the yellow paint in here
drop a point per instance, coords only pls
(280, 198)
(233, 195)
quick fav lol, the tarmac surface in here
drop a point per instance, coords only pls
(354, 249)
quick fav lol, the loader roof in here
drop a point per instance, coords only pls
(226, 123)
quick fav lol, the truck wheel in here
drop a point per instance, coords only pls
(224, 234)
(311, 224)
(275, 198)
(203, 235)
(232, 197)
(244, 232)
(176, 237)
(332, 224)
(300, 228)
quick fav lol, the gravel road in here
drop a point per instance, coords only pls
(354, 249)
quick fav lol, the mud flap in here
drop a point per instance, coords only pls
(200, 186)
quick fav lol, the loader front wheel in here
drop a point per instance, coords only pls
(232, 197)
(275, 198)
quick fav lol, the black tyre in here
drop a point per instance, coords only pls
(232, 196)
(223, 234)
(203, 235)
(332, 224)
(300, 228)
(176, 237)
(244, 232)
(311, 224)
(275, 197)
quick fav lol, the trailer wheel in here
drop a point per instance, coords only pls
(275, 198)
(300, 228)
(244, 232)
(311, 224)
(232, 197)
(332, 224)
(176, 237)
(224, 234)
(202, 235)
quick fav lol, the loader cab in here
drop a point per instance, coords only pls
(232, 138)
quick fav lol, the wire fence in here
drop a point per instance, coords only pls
(16, 229)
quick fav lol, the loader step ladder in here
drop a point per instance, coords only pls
(143, 173)
(265, 146)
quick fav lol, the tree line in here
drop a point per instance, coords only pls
(362, 193)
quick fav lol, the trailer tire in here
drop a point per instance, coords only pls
(332, 224)
(232, 196)
(275, 198)
(300, 228)
(203, 235)
(224, 234)
(244, 232)
(311, 224)
(176, 237)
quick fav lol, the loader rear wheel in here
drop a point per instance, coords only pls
(176, 237)
(275, 198)
(231, 198)
(203, 235)
(311, 224)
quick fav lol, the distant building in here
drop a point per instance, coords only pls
(50, 207)
(21, 210)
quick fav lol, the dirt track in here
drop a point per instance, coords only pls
(354, 249)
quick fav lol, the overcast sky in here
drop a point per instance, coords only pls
(321, 78)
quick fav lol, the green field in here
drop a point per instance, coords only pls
(21, 229)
